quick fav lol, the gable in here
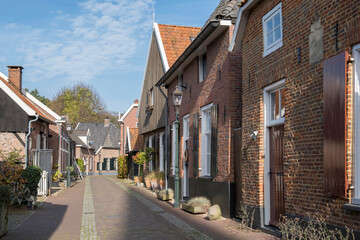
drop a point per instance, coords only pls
(154, 71)
(12, 117)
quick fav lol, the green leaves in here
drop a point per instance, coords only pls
(81, 103)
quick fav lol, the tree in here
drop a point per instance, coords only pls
(37, 95)
(81, 103)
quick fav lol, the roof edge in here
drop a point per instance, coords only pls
(204, 34)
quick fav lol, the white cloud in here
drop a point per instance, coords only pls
(104, 37)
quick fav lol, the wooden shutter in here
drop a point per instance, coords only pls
(155, 154)
(334, 81)
(195, 144)
(214, 135)
(168, 159)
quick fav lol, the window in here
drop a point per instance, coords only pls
(151, 158)
(206, 140)
(151, 97)
(161, 153)
(275, 103)
(272, 30)
(356, 55)
(185, 133)
(202, 67)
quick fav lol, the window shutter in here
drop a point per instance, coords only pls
(168, 160)
(214, 132)
(334, 83)
(195, 144)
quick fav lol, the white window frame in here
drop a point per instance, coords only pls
(269, 123)
(173, 148)
(186, 137)
(150, 146)
(276, 44)
(356, 172)
(205, 158)
(151, 97)
(202, 67)
(161, 153)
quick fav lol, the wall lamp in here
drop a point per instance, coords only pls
(253, 134)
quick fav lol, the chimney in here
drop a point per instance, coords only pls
(15, 76)
(106, 122)
(136, 101)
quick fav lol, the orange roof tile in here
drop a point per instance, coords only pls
(176, 39)
(42, 113)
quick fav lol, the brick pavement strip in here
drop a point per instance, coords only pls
(185, 228)
(88, 226)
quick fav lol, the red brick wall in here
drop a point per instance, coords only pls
(303, 152)
(129, 121)
(223, 89)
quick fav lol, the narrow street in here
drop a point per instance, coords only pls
(104, 207)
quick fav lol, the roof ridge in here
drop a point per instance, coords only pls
(173, 25)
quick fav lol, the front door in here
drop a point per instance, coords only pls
(276, 134)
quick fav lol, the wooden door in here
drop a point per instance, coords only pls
(276, 174)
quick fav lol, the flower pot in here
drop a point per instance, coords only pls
(162, 184)
(147, 183)
(154, 184)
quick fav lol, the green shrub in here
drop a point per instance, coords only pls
(32, 175)
(11, 175)
(81, 164)
(5, 194)
(122, 167)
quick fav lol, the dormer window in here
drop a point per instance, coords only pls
(202, 67)
(272, 30)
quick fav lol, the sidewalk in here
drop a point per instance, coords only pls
(220, 229)
(59, 217)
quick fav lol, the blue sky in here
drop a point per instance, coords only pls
(100, 42)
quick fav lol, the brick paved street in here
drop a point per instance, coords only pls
(104, 207)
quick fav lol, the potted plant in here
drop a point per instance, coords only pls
(56, 178)
(161, 177)
(139, 159)
(148, 178)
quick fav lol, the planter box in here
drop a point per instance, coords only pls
(165, 195)
(196, 209)
(55, 184)
(4, 218)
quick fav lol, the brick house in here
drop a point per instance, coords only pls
(84, 149)
(104, 139)
(58, 135)
(300, 132)
(128, 120)
(166, 45)
(209, 77)
(18, 115)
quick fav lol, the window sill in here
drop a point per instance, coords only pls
(352, 207)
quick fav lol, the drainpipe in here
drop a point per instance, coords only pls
(59, 152)
(27, 137)
(166, 137)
